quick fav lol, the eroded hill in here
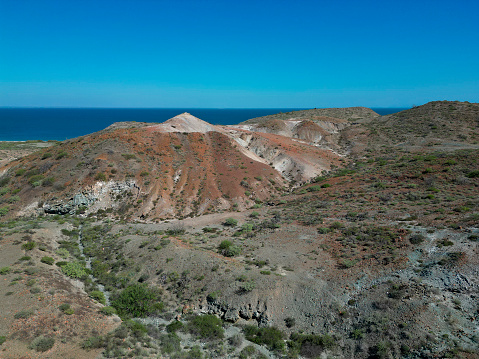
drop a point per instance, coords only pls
(183, 167)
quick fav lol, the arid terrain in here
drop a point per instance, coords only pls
(326, 233)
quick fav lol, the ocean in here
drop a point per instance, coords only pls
(22, 124)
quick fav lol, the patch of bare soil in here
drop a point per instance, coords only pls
(10, 151)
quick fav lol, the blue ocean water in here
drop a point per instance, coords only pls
(22, 124)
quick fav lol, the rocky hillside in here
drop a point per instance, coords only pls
(182, 167)
(323, 128)
(440, 123)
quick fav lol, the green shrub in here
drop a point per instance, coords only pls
(66, 308)
(98, 296)
(473, 174)
(13, 199)
(209, 229)
(451, 258)
(29, 245)
(137, 300)
(318, 179)
(2, 339)
(62, 252)
(128, 156)
(48, 181)
(227, 249)
(269, 336)
(176, 230)
(323, 230)
(23, 314)
(230, 222)
(357, 334)
(247, 352)
(247, 286)
(170, 343)
(225, 245)
(206, 327)
(213, 296)
(47, 260)
(46, 155)
(336, 225)
(174, 326)
(3, 211)
(31, 270)
(5, 270)
(20, 172)
(74, 270)
(137, 330)
(254, 214)
(236, 340)
(42, 344)
(473, 237)
(381, 350)
(348, 263)
(108, 311)
(312, 345)
(100, 177)
(35, 180)
(290, 322)
(195, 353)
(4, 181)
(61, 155)
(416, 238)
(93, 343)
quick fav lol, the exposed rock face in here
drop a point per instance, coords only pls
(99, 193)
(232, 313)
(296, 161)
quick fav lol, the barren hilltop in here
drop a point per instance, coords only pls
(320, 233)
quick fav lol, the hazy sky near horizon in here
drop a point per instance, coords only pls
(241, 54)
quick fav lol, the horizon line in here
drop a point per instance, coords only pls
(191, 108)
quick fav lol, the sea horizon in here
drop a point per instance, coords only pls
(62, 123)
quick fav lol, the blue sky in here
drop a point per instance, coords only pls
(220, 54)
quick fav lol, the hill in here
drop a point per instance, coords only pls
(370, 253)
(448, 124)
(346, 113)
(183, 167)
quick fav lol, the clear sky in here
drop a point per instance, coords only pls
(236, 54)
